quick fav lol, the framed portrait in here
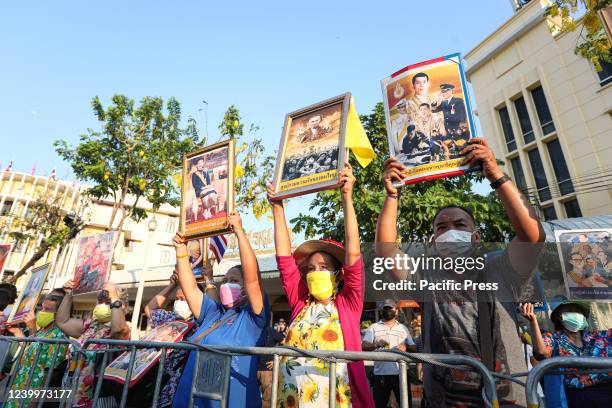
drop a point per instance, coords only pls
(312, 149)
(429, 118)
(31, 292)
(586, 263)
(144, 359)
(93, 262)
(207, 191)
(5, 250)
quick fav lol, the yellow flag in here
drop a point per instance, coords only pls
(356, 138)
(178, 178)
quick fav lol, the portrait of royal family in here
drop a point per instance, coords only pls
(588, 264)
(428, 126)
(206, 186)
(312, 144)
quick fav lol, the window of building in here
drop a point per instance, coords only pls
(165, 257)
(519, 175)
(504, 118)
(523, 116)
(605, 75)
(19, 245)
(537, 169)
(549, 213)
(560, 167)
(171, 225)
(572, 209)
(6, 207)
(539, 100)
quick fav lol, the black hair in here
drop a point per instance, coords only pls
(60, 290)
(464, 209)
(419, 75)
(556, 318)
(11, 291)
(425, 104)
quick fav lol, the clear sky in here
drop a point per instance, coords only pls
(268, 58)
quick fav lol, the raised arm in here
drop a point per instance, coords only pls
(158, 301)
(282, 240)
(250, 269)
(119, 327)
(186, 279)
(386, 227)
(70, 327)
(538, 341)
(522, 216)
(351, 228)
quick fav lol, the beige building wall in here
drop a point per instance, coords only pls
(521, 56)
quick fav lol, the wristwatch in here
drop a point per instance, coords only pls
(116, 304)
(497, 183)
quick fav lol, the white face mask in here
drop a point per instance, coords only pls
(454, 243)
(455, 236)
(181, 309)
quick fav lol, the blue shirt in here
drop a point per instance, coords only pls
(244, 328)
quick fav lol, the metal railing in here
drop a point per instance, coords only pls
(555, 363)
(212, 367)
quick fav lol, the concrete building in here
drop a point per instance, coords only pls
(546, 113)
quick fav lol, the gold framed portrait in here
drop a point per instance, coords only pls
(312, 148)
(30, 294)
(207, 190)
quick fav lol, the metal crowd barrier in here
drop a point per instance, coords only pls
(550, 364)
(213, 364)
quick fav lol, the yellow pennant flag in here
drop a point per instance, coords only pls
(356, 138)
(178, 178)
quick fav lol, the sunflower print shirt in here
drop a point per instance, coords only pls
(304, 382)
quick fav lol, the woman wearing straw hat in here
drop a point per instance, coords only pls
(572, 339)
(324, 284)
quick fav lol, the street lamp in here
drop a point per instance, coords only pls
(152, 226)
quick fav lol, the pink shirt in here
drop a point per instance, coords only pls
(349, 302)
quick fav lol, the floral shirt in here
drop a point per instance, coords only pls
(595, 344)
(43, 364)
(175, 360)
(91, 330)
(303, 381)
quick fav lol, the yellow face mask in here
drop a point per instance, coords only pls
(43, 319)
(102, 313)
(321, 284)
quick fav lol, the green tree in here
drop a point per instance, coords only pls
(46, 224)
(133, 155)
(418, 204)
(595, 44)
(253, 168)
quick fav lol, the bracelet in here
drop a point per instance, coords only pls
(185, 255)
(497, 183)
(394, 196)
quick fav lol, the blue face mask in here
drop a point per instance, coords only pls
(573, 321)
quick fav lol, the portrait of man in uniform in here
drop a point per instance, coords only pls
(452, 107)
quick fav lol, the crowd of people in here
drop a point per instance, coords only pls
(324, 284)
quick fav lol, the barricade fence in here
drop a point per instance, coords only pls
(212, 369)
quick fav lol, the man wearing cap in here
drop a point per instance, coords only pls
(452, 107)
(388, 333)
(399, 124)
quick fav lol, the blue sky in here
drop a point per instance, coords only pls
(268, 58)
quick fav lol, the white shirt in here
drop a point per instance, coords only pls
(394, 336)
